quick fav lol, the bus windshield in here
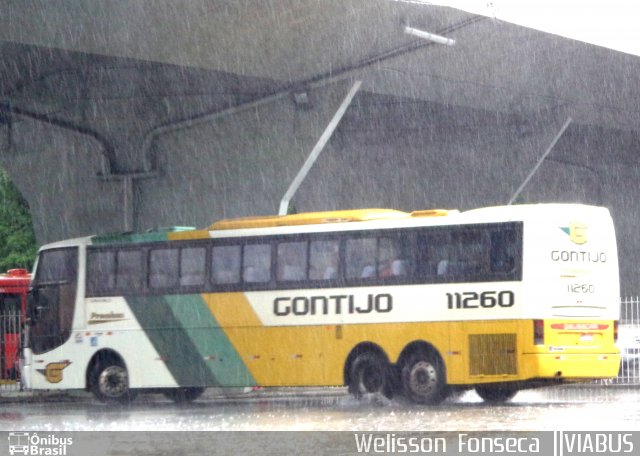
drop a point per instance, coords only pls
(52, 301)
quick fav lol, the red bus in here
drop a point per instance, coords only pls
(14, 286)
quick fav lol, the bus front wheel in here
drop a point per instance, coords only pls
(423, 378)
(110, 382)
(370, 373)
(494, 394)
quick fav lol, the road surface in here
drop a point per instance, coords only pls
(560, 408)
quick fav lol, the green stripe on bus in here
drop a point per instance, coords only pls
(158, 235)
(171, 341)
(210, 340)
(129, 238)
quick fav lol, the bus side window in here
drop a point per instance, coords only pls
(503, 251)
(292, 261)
(433, 254)
(451, 255)
(129, 270)
(361, 258)
(469, 253)
(225, 268)
(257, 263)
(324, 260)
(163, 268)
(393, 256)
(192, 266)
(101, 271)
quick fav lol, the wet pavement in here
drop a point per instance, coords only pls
(328, 409)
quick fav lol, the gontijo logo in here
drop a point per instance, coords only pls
(577, 232)
(53, 371)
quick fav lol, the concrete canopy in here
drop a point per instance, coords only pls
(495, 65)
(114, 114)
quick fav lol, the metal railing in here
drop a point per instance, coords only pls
(10, 343)
(629, 341)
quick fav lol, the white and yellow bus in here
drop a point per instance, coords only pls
(419, 304)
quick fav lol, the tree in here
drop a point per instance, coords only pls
(17, 239)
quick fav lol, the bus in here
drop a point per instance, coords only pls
(419, 304)
(14, 285)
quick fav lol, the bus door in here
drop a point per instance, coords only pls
(10, 309)
(52, 299)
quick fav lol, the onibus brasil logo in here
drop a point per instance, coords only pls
(31, 443)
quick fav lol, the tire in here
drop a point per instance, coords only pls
(370, 373)
(183, 395)
(110, 382)
(496, 395)
(423, 378)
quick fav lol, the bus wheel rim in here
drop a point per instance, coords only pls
(423, 378)
(113, 381)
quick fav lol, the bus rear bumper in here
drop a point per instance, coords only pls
(567, 366)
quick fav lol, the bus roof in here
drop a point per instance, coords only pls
(331, 220)
(314, 218)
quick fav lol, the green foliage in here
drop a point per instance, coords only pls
(17, 239)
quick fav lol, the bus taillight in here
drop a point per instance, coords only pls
(538, 332)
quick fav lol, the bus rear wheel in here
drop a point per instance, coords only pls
(183, 395)
(370, 373)
(110, 383)
(494, 395)
(423, 378)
